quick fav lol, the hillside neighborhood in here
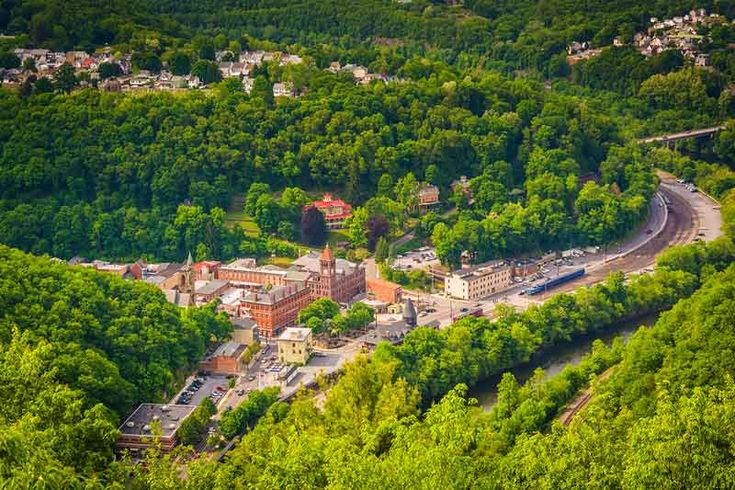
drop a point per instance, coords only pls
(89, 69)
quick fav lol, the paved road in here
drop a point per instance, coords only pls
(689, 213)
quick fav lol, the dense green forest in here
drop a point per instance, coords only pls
(482, 90)
(80, 349)
(106, 175)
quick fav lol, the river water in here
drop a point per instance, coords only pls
(554, 360)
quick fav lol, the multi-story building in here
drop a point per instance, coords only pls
(246, 273)
(428, 195)
(338, 279)
(294, 346)
(207, 291)
(478, 281)
(150, 422)
(227, 358)
(275, 309)
(335, 211)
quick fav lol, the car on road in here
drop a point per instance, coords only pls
(251, 378)
(464, 310)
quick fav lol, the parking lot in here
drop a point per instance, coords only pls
(199, 387)
(421, 258)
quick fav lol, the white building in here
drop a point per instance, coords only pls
(478, 281)
(294, 345)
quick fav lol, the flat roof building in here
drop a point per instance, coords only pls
(294, 345)
(478, 281)
(152, 421)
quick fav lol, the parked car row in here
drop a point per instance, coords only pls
(186, 396)
(217, 393)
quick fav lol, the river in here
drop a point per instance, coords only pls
(554, 360)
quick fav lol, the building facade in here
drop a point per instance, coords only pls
(428, 195)
(478, 282)
(335, 211)
(386, 291)
(294, 346)
(226, 359)
(276, 309)
(337, 279)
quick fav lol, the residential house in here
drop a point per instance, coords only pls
(428, 195)
(283, 89)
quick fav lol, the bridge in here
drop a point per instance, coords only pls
(674, 137)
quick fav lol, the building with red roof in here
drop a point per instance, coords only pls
(335, 211)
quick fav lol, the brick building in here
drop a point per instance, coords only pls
(386, 291)
(428, 195)
(338, 279)
(275, 309)
(245, 273)
(226, 359)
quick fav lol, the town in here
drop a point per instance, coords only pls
(115, 72)
(272, 346)
(680, 33)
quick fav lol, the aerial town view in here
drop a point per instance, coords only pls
(367, 244)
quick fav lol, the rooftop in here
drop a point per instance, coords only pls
(243, 323)
(229, 349)
(211, 287)
(311, 263)
(480, 270)
(295, 333)
(278, 293)
(141, 421)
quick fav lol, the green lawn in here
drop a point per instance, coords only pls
(279, 261)
(245, 221)
(336, 236)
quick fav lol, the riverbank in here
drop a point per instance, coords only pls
(554, 360)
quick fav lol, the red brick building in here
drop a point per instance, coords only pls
(226, 359)
(275, 309)
(206, 270)
(386, 291)
(338, 279)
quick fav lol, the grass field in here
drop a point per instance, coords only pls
(279, 261)
(245, 221)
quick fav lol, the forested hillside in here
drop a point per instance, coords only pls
(480, 88)
(105, 174)
(79, 350)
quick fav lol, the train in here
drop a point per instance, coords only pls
(552, 283)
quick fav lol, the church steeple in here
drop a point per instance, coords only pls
(186, 278)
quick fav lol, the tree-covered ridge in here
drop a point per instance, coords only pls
(118, 342)
(103, 174)
(526, 34)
